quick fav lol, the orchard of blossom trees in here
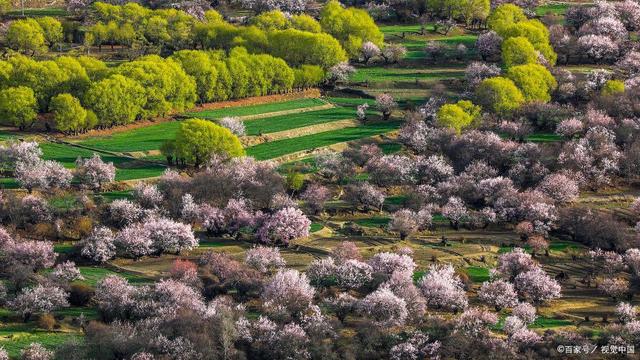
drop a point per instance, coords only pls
(499, 225)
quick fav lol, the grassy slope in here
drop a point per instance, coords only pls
(283, 147)
(257, 109)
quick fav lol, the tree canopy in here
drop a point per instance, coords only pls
(197, 140)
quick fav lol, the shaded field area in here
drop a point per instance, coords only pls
(283, 147)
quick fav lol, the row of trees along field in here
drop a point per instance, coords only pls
(299, 39)
(274, 54)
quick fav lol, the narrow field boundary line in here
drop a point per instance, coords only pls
(249, 141)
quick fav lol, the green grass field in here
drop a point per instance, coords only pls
(94, 274)
(478, 274)
(555, 9)
(17, 336)
(382, 74)
(140, 139)
(275, 149)
(151, 137)
(257, 109)
(293, 121)
(376, 221)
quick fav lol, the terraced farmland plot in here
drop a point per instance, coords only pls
(258, 109)
(141, 139)
(126, 169)
(293, 121)
(279, 148)
(381, 74)
(415, 44)
(151, 137)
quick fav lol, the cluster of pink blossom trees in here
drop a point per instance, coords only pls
(25, 161)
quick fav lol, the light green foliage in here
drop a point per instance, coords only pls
(239, 75)
(458, 116)
(499, 95)
(51, 28)
(504, 16)
(304, 48)
(197, 140)
(5, 5)
(271, 20)
(77, 80)
(469, 10)
(518, 51)
(295, 180)
(534, 81)
(350, 26)
(612, 87)
(18, 106)
(95, 68)
(45, 78)
(305, 22)
(26, 36)
(166, 84)
(6, 69)
(509, 21)
(116, 100)
(477, 10)
(212, 16)
(68, 113)
(199, 65)
(307, 76)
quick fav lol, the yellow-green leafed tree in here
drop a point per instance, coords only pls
(68, 113)
(197, 140)
(351, 26)
(612, 87)
(458, 116)
(518, 51)
(499, 95)
(534, 81)
(18, 106)
(26, 36)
